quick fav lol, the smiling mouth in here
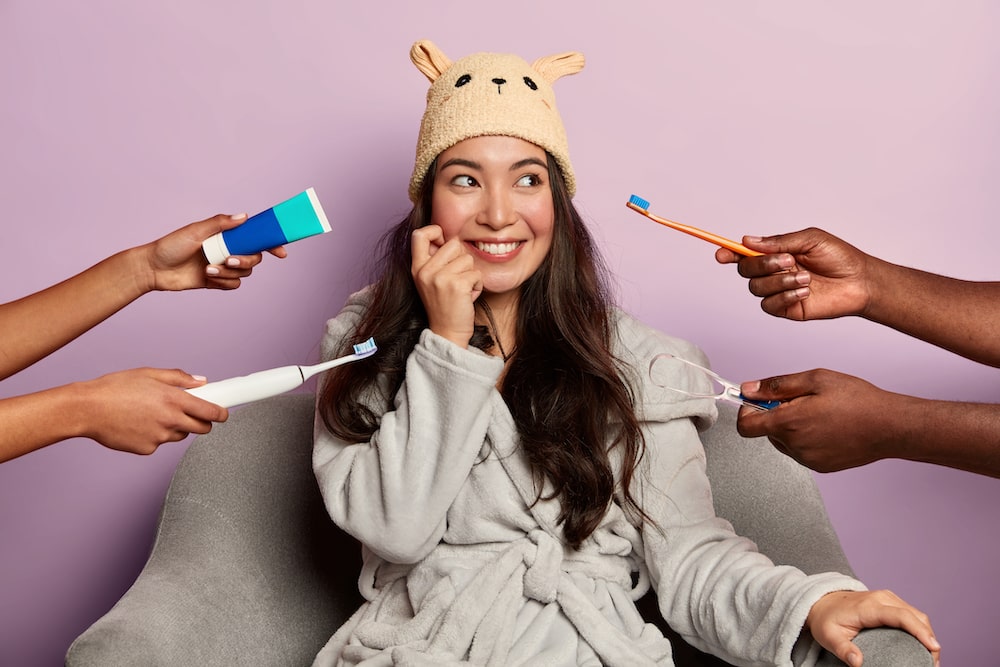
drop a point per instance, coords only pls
(497, 248)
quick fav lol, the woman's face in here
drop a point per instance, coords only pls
(493, 194)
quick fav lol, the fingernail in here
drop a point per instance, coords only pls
(801, 292)
(199, 378)
(212, 270)
(232, 261)
(803, 278)
(750, 387)
(238, 216)
(752, 239)
(786, 261)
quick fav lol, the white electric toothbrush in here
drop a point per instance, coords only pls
(263, 384)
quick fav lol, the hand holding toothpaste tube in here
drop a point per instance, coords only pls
(176, 261)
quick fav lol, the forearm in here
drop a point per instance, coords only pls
(958, 315)
(37, 420)
(965, 436)
(33, 327)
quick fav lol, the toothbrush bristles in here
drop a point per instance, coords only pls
(639, 201)
(366, 347)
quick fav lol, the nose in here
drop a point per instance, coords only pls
(498, 209)
(499, 82)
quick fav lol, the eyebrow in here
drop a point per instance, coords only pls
(471, 164)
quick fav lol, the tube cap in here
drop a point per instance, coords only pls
(215, 249)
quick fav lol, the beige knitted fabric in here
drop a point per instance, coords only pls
(490, 94)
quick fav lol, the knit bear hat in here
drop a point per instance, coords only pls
(490, 94)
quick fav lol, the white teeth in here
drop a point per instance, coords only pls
(497, 248)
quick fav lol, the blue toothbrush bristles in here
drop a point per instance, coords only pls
(367, 347)
(639, 201)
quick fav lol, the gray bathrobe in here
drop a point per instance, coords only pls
(462, 566)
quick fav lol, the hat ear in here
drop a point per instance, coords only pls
(559, 65)
(429, 59)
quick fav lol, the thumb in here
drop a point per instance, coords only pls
(215, 224)
(727, 256)
(849, 653)
(839, 643)
(177, 378)
(777, 388)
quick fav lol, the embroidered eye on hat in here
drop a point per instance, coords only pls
(490, 94)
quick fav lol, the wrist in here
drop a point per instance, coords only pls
(460, 338)
(139, 266)
(75, 409)
(903, 426)
(879, 279)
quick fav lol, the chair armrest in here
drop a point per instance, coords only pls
(885, 647)
(247, 567)
(774, 501)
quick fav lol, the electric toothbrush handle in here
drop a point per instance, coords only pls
(249, 388)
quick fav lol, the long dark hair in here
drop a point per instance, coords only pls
(567, 392)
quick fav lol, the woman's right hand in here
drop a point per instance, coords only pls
(448, 283)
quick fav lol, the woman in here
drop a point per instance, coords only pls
(515, 480)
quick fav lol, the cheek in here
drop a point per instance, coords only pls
(446, 216)
(446, 229)
(542, 224)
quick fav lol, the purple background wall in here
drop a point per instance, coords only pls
(120, 121)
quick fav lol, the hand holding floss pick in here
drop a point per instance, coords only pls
(296, 218)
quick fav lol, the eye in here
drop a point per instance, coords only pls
(530, 84)
(462, 80)
(529, 180)
(464, 181)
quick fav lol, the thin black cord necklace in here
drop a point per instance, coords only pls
(492, 328)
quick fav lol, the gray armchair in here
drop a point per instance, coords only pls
(248, 569)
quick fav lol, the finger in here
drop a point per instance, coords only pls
(202, 413)
(783, 304)
(217, 223)
(175, 377)
(847, 651)
(726, 256)
(765, 265)
(779, 282)
(792, 242)
(905, 617)
(280, 252)
(214, 282)
(780, 387)
(752, 423)
(243, 263)
(199, 427)
(421, 241)
(447, 262)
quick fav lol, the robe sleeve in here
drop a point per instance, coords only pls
(393, 492)
(713, 586)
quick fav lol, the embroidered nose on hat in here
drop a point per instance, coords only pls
(490, 94)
